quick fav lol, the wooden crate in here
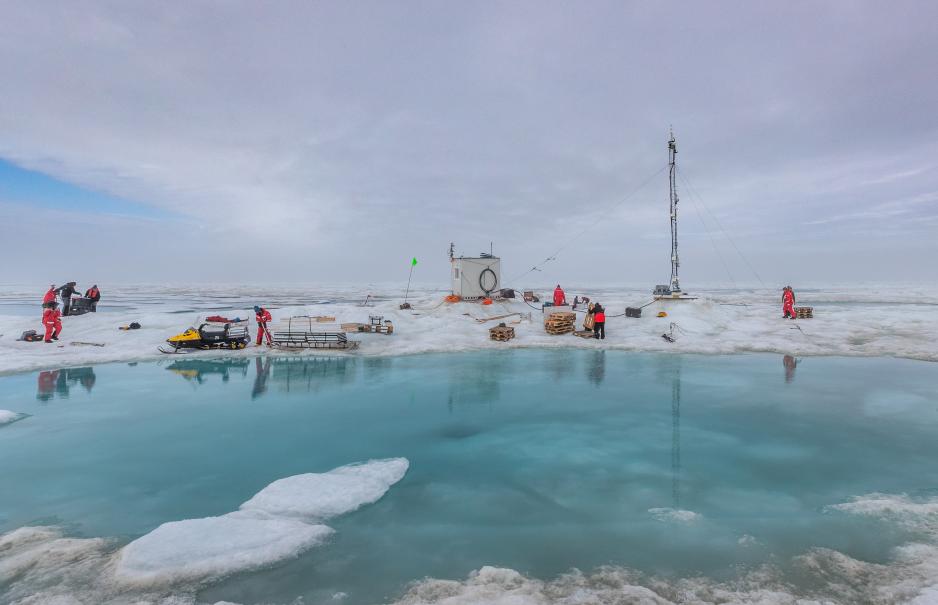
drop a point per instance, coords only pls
(804, 312)
(501, 333)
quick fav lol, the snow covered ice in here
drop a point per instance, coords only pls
(853, 321)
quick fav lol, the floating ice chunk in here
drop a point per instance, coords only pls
(746, 540)
(675, 514)
(919, 515)
(6, 417)
(276, 524)
(215, 546)
(319, 496)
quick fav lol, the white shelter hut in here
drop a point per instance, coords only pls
(476, 277)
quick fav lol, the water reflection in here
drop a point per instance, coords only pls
(286, 375)
(52, 384)
(197, 370)
(676, 437)
(596, 367)
(790, 364)
(308, 375)
(262, 366)
(478, 380)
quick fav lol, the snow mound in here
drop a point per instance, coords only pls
(7, 417)
(276, 524)
(215, 546)
(319, 496)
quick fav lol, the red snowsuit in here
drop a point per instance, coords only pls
(788, 304)
(51, 320)
(559, 297)
(49, 297)
(262, 317)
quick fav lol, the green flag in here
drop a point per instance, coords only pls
(413, 263)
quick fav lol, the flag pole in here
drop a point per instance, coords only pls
(413, 263)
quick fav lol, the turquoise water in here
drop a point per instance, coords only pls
(535, 460)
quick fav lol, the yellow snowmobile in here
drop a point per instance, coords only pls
(231, 334)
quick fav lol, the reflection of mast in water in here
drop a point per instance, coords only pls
(676, 438)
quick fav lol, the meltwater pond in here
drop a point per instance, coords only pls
(687, 475)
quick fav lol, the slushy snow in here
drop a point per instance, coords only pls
(858, 321)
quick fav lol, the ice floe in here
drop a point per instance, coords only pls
(674, 514)
(858, 321)
(7, 417)
(169, 564)
(320, 496)
(215, 546)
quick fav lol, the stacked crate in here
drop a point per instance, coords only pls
(804, 312)
(563, 322)
(502, 333)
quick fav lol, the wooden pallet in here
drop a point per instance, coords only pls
(562, 322)
(585, 334)
(804, 312)
(501, 333)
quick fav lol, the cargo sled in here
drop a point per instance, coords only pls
(305, 332)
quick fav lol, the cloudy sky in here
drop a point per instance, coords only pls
(332, 141)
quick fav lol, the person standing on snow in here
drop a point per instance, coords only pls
(66, 292)
(94, 295)
(599, 321)
(49, 297)
(559, 297)
(262, 316)
(788, 303)
(51, 320)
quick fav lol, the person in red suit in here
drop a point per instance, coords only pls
(559, 297)
(599, 321)
(788, 303)
(49, 297)
(51, 319)
(262, 316)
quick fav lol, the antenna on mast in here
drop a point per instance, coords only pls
(672, 164)
(672, 291)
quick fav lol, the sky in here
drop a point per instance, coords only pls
(304, 142)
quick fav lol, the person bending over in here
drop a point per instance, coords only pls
(66, 292)
(94, 295)
(262, 316)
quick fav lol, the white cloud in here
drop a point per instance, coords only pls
(358, 135)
